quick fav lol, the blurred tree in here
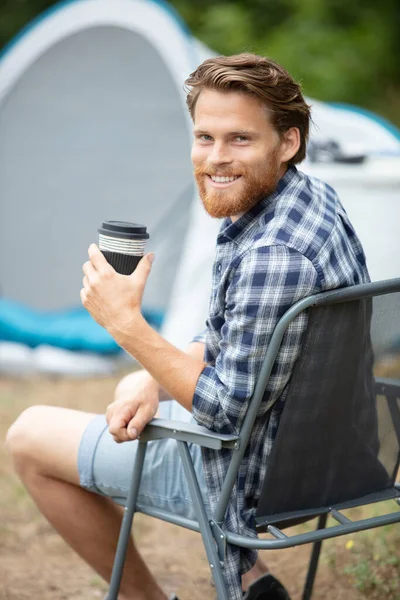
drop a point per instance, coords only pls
(14, 14)
(340, 50)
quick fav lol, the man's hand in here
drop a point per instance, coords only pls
(113, 300)
(139, 390)
(135, 403)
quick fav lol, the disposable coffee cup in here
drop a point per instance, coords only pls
(123, 244)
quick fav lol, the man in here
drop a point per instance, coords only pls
(284, 236)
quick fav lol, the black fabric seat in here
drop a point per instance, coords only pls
(327, 447)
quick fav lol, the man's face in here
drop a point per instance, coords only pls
(236, 152)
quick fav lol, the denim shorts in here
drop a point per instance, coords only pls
(105, 468)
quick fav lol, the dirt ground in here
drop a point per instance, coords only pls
(36, 564)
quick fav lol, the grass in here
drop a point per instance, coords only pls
(370, 560)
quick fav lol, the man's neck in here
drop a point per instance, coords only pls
(236, 217)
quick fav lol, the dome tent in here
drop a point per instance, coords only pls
(93, 126)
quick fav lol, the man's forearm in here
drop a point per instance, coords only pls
(175, 371)
(195, 350)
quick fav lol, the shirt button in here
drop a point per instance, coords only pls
(219, 268)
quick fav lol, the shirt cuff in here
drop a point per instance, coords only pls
(200, 337)
(206, 405)
(205, 399)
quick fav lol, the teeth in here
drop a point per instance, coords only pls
(223, 179)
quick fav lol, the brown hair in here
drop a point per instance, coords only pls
(260, 77)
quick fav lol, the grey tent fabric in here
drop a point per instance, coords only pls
(82, 140)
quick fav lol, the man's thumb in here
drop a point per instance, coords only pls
(150, 257)
(144, 267)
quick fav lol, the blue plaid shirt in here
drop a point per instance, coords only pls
(294, 243)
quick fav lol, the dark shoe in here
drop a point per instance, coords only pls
(266, 587)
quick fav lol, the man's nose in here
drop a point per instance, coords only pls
(219, 154)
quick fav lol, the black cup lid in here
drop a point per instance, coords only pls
(124, 229)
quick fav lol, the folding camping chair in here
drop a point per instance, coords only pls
(338, 442)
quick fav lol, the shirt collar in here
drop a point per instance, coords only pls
(230, 231)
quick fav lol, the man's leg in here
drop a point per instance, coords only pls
(44, 443)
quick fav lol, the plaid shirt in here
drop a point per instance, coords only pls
(294, 243)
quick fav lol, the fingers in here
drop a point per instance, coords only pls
(83, 297)
(136, 425)
(118, 418)
(109, 412)
(125, 423)
(93, 276)
(98, 259)
(125, 426)
(86, 284)
(89, 270)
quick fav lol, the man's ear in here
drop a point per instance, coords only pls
(290, 144)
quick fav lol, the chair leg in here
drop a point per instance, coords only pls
(312, 569)
(205, 528)
(126, 526)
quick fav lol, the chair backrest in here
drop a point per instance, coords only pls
(337, 438)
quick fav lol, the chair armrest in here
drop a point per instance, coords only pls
(187, 432)
(387, 387)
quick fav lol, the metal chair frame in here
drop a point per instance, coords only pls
(215, 537)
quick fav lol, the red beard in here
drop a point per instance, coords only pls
(250, 190)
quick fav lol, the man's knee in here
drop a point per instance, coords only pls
(45, 440)
(22, 436)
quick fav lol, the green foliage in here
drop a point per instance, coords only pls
(371, 561)
(339, 50)
(374, 567)
(15, 14)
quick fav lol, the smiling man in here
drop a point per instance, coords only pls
(283, 236)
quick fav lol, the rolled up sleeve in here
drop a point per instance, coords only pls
(200, 337)
(264, 283)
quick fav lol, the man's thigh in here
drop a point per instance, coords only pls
(106, 468)
(49, 437)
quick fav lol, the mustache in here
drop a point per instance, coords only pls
(213, 171)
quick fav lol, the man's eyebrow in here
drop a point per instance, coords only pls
(242, 132)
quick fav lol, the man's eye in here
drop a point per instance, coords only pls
(204, 137)
(241, 138)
